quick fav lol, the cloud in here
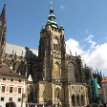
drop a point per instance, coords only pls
(97, 57)
(90, 40)
(73, 47)
(94, 56)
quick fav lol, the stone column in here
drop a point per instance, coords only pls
(80, 100)
(75, 100)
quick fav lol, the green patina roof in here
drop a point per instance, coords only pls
(52, 18)
(61, 27)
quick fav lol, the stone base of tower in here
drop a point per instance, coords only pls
(61, 95)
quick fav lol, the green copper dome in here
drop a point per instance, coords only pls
(52, 18)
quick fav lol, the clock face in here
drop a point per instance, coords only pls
(56, 70)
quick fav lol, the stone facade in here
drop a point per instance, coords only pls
(52, 74)
(68, 94)
(52, 54)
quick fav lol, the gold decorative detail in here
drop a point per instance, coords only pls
(56, 70)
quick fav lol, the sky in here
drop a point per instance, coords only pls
(84, 21)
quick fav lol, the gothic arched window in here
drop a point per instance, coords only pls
(71, 72)
(56, 43)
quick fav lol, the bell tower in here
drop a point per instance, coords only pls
(2, 32)
(52, 50)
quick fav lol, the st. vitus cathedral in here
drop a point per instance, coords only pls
(51, 73)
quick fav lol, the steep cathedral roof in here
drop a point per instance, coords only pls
(19, 50)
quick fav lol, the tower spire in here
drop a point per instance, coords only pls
(51, 7)
(51, 18)
(2, 16)
(2, 32)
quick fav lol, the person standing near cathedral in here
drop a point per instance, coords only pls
(10, 104)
